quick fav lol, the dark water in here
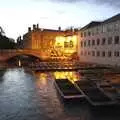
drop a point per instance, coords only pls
(27, 97)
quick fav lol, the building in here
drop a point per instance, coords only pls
(19, 44)
(55, 43)
(99, 42)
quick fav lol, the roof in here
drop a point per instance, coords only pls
(50, 30)
(96, 23)
(112, 19)
(91, 24)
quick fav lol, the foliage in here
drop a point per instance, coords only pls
(5, 42)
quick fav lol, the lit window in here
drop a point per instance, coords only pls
(71, 43)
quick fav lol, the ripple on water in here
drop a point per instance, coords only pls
(27, 97)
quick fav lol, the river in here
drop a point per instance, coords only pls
(25, 95)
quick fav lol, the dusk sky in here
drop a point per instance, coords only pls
(18, 15)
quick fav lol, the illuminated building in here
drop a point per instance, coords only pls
(66, 44)
(99, 42)
(56, 43)
(40, 38)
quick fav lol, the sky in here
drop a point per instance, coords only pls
(17, 15)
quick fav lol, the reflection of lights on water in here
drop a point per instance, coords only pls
(43, 76)
(19, 63)
(42, 79)
(73, 76)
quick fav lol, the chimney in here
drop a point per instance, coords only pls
(37, 26)
(20, 38)
(34, 26)
(29, 29)
(59, 28)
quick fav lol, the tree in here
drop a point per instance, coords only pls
(1, 31)
(5, 42)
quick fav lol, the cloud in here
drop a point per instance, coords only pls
(114, 3)
(67, 1)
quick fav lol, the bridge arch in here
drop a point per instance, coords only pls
(24, 54)
(8, 54)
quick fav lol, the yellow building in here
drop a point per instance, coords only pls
(66, 44)
(55, 43)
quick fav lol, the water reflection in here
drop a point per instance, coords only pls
(27, 97)
(41, 78)
(71, 75)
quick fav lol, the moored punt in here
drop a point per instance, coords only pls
(67, 90)
(107, 87)
(94, 95)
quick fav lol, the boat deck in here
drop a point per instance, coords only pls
(67, 90)
(94, 95)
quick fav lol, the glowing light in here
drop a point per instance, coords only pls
(41, 79)
(67, 45)
(19, 63)
(72, 76)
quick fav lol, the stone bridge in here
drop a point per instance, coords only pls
(9, 53)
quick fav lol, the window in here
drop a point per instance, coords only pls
(84, 34)
(98, 53)
(84, 43)
(103, 29)
(109, 28)
(116, 27)
(81, 43)
(97, 30)
(81, 52)
(85, 53)
(98, 41)
(110, 40)
(103, 53)
(88, 42)
(116, 39)
(88, 52)
(71, 44)
(93, 42)
(109, 53)
(66, 44)
(116, 53)
(93, 53)
(103, 41)
(93, 33)
(81, 34)
(89, 33)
